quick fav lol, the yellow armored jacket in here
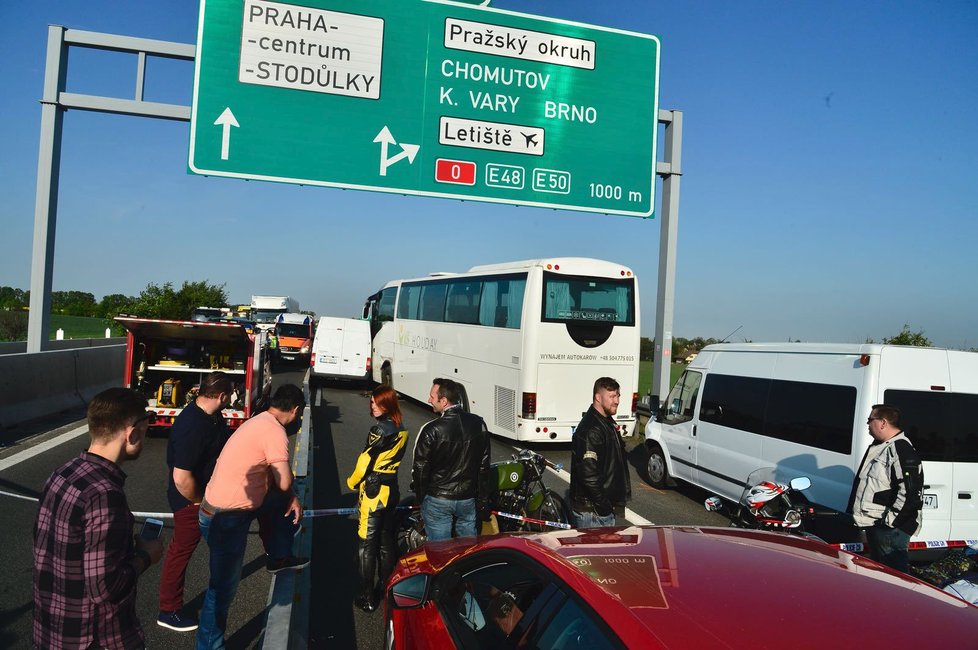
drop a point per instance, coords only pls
(382, 455)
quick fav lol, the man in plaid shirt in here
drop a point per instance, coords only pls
(86, 560)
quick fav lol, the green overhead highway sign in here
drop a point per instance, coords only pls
(427, 97)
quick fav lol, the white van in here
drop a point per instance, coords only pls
(802, 409)
(341, 349)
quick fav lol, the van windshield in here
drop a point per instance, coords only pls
(290, 329)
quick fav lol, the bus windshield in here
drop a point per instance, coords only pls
(583, 299)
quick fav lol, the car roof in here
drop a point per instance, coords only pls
(733, 588)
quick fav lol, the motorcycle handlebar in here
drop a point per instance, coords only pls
(528, 455)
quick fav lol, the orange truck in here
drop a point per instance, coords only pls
(294, 333)
(166, 360)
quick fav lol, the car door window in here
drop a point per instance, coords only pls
(571, 628)
(484, 606)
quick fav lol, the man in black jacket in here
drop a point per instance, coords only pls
(450, 456)
(600, 484)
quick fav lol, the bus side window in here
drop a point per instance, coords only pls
(502, 313)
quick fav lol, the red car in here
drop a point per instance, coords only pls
(662, 587)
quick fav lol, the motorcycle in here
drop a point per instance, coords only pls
(767, 504)
(518, 495)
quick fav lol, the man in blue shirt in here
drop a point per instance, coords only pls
(196, 440)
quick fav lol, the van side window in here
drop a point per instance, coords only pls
(736, 402)
(806, 413)
(682, 398)
(815, 415)
(941, 426)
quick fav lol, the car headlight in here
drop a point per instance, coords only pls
(304, 350)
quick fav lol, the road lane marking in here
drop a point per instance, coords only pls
(631, 516)
(27, 454)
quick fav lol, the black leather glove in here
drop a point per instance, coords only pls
(371, 485)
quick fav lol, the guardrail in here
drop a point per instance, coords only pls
(287, 622)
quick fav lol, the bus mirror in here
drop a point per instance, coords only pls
(365, 315)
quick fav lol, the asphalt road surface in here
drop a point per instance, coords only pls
(341, 419)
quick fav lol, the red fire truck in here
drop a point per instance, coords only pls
(166, 360)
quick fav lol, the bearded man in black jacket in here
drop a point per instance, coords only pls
(600, 484)
(451, 459)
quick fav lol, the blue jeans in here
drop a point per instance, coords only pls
(889, 546)
(227, 536)
(438, 514)
(592, 520)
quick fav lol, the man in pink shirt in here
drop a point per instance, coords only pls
(252, 478)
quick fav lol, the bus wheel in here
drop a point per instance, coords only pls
(387, 376)
(658, 474)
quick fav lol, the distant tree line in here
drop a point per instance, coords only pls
(155, 301)
(682, 348)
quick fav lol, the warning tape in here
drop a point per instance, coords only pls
(138, 515)
(852, 547)
(951, 543)
(531, 520)
(329, 512)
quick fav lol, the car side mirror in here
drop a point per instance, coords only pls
(800, 483)
(655, 407)
(410, 593)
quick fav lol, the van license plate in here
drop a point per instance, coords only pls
(325, 358)
(930, 501)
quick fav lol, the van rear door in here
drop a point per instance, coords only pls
(356, 348)
(964, 406)
(917, 381)
(328, 347)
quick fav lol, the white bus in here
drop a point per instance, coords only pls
(526, 340)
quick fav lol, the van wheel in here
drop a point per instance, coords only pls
(658, 474)
(387, 376)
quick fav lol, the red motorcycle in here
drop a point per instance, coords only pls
(769, 504)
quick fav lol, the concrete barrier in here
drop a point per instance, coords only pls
(44, 383)
(16, 347)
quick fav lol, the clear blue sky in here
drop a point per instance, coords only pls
(830, 160)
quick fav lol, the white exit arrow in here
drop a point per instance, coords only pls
(227, 121)
(385, 139)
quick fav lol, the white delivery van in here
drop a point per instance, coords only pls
(802, 409)
(341, 349)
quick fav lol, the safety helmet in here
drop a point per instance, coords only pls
(763, 492)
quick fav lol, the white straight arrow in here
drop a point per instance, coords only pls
(226, 120)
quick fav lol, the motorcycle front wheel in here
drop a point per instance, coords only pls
(553, 508)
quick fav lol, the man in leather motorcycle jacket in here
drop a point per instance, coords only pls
(375, 477)
(887, 494)
(600, 483)
(451, 460)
